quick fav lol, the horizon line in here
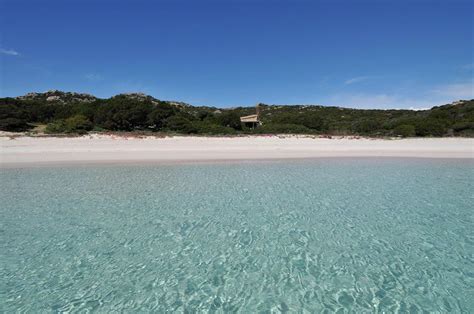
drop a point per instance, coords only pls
(348, 106)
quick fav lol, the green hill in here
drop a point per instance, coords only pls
(65, 112)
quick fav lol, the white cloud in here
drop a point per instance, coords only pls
(357, 79)
(379, 101)
(419, 109)
(414, 100)
(93, 77)
(456, 91)
(133, 86)
(9, 52)
(388, 101)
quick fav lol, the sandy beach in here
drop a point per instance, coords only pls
(37, 151)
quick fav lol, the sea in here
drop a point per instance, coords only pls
(358, 235)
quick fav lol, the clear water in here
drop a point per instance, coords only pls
(344, 235)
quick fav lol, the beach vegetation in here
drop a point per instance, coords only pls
(81, 113)
(55, 127)
(405, 130)
(78, 124)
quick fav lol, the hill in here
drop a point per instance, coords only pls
(67, 112)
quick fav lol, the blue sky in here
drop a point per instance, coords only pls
(365, 54)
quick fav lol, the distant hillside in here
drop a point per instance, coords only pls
(68, 112)
(58, 97)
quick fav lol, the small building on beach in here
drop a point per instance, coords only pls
(251, 121)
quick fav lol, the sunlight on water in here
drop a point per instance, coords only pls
(363, 235)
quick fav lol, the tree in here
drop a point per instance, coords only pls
(157, 117)
(367, 126)
(230, 119)
(78, 124)
(56, 127)
(13, 118)
(405, 130)
(180, 124)
(120, 114)
(430, 127)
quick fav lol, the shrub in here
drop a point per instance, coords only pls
(283, 128)
(367, 126)
(405, 130)
(230, 119)
(12, 118)
(120, 114)
(56, 127)
(13, 124)
(461, 126)
(213, 129)
(78, 124)
(180, 124)
(157, 117)
(430, 127)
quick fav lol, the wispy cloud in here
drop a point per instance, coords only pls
(9, 52)
(93, 77)
(419, 109)
(419, 99)
(456, 91)
(469, 66)
(379, 101)
(133, 86)
(357, 79)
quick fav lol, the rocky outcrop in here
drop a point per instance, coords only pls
(56, 96)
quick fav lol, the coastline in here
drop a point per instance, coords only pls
(24, 151)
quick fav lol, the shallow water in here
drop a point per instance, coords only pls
(344, 234)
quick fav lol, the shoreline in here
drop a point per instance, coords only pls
(99, 149)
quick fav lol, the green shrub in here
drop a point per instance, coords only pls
(212, 129)
(158, 116)
(367, 126)
(230, 119)
(78, 124)
(56, 127)
(14, 124)
(283, 128)
(13, 118)
(180, 124)
(405, 130)
(461, 126)
(430, 127)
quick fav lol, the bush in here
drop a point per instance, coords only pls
(461, 126)
(180, 124)
(430, 127)
(78, 124)
(283, 128)
(367, 126)
(309, 120)
(230, 119)
(13, 118)
(213, 129)
(13, 125)
(119, 114)
(157, 117)
(56, 127)
(405, 130)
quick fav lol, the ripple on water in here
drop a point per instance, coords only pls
(322, 236)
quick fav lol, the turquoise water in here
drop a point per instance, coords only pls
(358, 235)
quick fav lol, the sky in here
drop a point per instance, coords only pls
(361, 54)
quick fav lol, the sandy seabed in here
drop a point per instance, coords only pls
(37, 151)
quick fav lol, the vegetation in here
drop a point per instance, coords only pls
(76, 124)
(81, 113)
(405, 130)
